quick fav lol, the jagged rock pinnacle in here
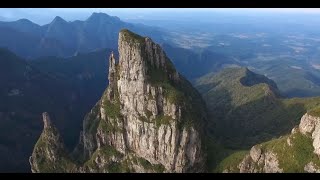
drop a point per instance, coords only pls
(46, 120)
(112, 68)
(141, 54)
(112, 76)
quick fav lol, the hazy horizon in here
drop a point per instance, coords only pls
(43, 16)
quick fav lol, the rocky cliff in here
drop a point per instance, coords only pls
(149, 119)
(296, 152)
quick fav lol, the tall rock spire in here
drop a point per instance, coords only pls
(46, 120)
(149, 119)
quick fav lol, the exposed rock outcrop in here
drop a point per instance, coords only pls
(311, 168)
(297, 152)
(259, 161)
(149, 119)
(311, 124)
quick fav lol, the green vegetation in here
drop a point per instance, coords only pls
(293, 158)
(92, 121)
(110, 126)
(315, 112)
(231, 162)
(216, 153)
(173, 95)
(158, 76)
(158, 168)
(148, 113)
(107, 152)
(116, 167)
(112, 109)
(162, 120)
(50, 140)
(246, 108)
(144, 119)
(146, 164)
(131, 37)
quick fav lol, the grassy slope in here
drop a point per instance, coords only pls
(244, 112)
(291, 158)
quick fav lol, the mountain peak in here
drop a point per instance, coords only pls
(25, 21)
(129, 36)
(102, 16)
(147, 56)
(99, 14)
(145, 94)
(58, 19)
(251, 78)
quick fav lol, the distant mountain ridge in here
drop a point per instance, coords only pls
(62, 38)
(196, 64)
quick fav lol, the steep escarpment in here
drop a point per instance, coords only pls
(296, 152)
(149, 119)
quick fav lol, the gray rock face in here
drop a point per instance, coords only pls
(142, 103)
(259, 161)
(255, 153)
(310, 124)
(311, 168)
(149, 119)
(271, 164)
(46, 120)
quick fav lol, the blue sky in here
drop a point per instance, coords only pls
(45, 15)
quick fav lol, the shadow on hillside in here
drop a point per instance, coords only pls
(301, 93)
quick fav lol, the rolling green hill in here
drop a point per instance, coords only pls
(246, 108)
